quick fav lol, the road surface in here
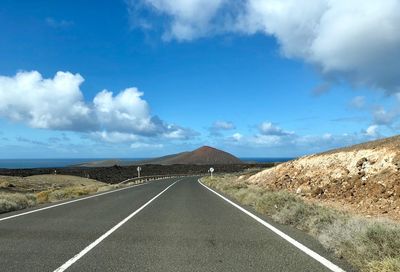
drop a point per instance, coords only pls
(169, 225)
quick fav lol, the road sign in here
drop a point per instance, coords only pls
(211, 170)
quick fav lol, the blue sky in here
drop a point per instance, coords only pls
(150, 77)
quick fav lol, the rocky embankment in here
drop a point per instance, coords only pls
(363, 178)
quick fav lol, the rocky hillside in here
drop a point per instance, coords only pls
(364, 178)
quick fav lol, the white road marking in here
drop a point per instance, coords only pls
(68, 202)
(108, 233)
(306, 250)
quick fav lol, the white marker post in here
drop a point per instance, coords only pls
(138, 171)
(211, 171)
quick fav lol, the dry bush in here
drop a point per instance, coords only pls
(386, 265)
(106, 188)
(71, 192)
(42, 197)
(15, 201)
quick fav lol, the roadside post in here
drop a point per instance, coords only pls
(211, 170)
(138, 171)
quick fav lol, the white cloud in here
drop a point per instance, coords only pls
(237, 137)
(358, 102)
(327, 136)
(372, 131)
(44, 103)
(219, 126)
(140, 145)
(383, 117)
(269, 129)
(58, 103)
(113, 137)
(353, 40)
(223, 125)
(191, 18)
(126, 111)
(174, 132)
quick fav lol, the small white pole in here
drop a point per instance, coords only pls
(211, 171)
(138, 171)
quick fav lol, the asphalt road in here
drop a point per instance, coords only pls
(185, 228)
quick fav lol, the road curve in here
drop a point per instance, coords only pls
(169, 225)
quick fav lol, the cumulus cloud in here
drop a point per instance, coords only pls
(175, 132)
(269, 135)
(191, 18)
(237, 137)
(357, 41)
(223, 125)
(58, 104)
(113, 137)
(372, 131)
(55, 103)
(384, 117)
(218, 126)
(269, 129)
(126, 112)
(299, 145)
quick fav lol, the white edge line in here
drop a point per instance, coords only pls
(108, 233)
(306, 250)
(68, 202)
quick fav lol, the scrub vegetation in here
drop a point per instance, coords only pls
(18, 193)
(369, 244)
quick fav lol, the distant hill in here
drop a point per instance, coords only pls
(202, 155)
(205, 155)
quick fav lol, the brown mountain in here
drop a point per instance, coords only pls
(205, 155)
(201, 156)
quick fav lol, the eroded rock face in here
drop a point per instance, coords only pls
(365, 178)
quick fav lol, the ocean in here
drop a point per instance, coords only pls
(57, 163)
(49, 163)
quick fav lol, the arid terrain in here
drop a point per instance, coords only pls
(363, 178)
(23, 192)
(348, 199)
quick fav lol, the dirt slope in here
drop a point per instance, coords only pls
(364, 178)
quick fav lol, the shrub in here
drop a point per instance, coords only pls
(386, 265)
(16, 201)
(43, 196)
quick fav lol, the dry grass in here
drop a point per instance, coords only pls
(386, 265)
(16, 201)
(18, 193)
(368, 244)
